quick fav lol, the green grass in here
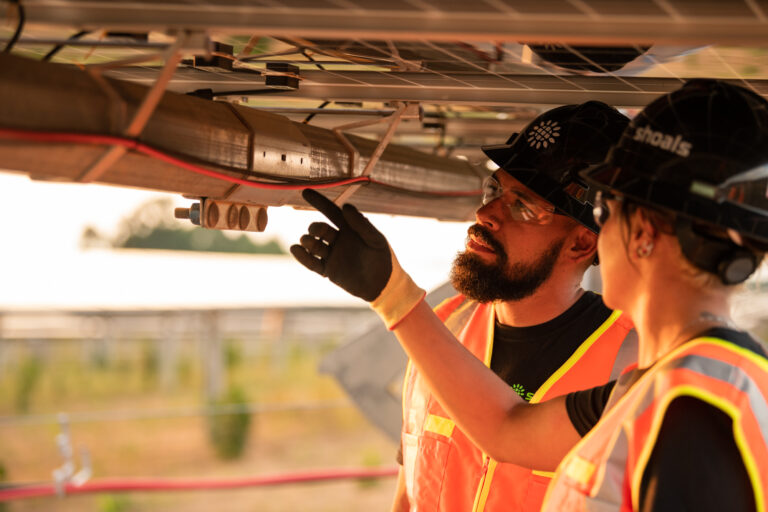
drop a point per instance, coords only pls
(69, 377)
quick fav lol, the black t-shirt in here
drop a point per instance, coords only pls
(695, 463)
(525, 357)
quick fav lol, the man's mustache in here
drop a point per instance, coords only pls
(484, 235)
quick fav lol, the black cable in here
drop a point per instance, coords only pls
(437, 195)
(19, 27)
(313, 114)
(246, 92)
(309, 58)
(59, 46)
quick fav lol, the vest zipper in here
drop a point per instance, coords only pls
(479, 502)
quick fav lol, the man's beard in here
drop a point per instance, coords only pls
(487, 282)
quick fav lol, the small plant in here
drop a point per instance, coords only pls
(228, 431)
(184, 369)
(233, 354)
(150, 362)
(98, 357)
(3, 478)
(114, 503)
(26, 381)
(371, 459)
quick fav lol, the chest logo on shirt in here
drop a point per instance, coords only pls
(520, 390)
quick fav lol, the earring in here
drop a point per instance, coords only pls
(645, 249)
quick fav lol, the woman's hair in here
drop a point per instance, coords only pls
(664, 222)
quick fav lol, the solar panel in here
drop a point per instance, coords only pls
(479, 70)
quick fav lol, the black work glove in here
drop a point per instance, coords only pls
(355, 256)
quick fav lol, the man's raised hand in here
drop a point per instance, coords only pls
(354, 255)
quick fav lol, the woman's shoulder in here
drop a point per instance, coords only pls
(739, 338)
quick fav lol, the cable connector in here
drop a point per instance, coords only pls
(214, 214)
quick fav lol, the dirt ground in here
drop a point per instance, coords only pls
(178, 449)
(167, 446)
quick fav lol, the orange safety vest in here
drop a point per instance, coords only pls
(443, 469)
(604, 470)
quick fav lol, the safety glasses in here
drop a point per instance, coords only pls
(522, 207)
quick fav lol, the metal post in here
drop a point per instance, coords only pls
(213, 355)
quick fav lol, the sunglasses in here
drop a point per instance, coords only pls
(600, 210)
(522, 207)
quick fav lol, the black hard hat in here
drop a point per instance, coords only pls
(700, 152)
(549, 153)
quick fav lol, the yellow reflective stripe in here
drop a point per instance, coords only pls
(485, 487)
(744, 352)
(738, 433)
(439, 425)
(579, 470)
(548, 474)
(490, 328)
(574, 357)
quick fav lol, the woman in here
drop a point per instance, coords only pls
(685, 218)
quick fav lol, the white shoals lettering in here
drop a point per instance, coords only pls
(672, 143)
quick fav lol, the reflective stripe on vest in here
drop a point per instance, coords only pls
(735, 380)
(443, 469)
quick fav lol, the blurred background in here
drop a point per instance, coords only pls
(149, 348)
(159, 349)
(136, 347)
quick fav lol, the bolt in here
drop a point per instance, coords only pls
(192, 213)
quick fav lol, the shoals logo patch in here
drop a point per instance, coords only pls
(543, 134)
(672, 143)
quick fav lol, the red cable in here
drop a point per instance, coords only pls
(145, 484)
(111, 140)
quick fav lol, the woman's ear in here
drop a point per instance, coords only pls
(644, 234)
(583, 245)
(642, 226)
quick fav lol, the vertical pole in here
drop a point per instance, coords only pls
(213, 355)
(2, 344)
(168, 350)
(272, 326)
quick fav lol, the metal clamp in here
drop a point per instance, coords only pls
(172, 58)
(404, 110)
(65, 474)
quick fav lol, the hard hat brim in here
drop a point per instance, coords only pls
(710, 203)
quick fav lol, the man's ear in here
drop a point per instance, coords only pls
(583, 245)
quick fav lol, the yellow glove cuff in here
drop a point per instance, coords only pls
(399, 296)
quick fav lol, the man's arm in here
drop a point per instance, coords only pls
(496, 419)
(357, 257)
(400, 503)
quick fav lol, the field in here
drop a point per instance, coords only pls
(137, 420)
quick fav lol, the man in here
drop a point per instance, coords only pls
(521, 309)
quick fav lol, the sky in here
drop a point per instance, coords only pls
(43, 265)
